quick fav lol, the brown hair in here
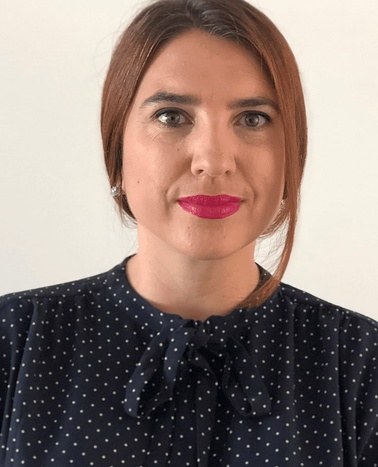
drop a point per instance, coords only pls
(235, 20)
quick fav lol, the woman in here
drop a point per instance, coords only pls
(188, 353)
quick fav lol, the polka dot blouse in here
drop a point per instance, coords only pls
(92, 375)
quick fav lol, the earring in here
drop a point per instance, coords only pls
(115, 191)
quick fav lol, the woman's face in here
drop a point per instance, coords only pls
(204, 123)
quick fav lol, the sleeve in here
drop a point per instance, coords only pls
(15, 315)
(359, 388)
(367, 409)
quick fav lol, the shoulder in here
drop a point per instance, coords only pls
(39, 315)
(349, 325)
(19, 307)
(308, 303)
(338, 349)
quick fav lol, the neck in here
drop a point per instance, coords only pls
(191, 287)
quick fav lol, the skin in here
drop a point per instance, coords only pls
(227, 138)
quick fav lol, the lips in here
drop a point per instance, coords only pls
(210, 207)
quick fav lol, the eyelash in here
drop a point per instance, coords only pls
(256, 114)
(181, 113)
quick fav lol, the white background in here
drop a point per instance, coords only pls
(57, 221)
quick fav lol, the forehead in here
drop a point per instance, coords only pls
(207, 66)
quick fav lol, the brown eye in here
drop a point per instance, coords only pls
(254, 119)
(171, 118)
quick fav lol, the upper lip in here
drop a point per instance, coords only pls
(210, 200)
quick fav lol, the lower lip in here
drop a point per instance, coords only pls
(213, 210)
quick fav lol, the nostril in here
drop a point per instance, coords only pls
(213, 162)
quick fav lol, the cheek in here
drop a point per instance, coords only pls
(145, 179)
(276, 164)
(153, 160)
(268, 172)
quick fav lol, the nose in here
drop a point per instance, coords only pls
(213, 152)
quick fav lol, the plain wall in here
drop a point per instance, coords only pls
(58, 222)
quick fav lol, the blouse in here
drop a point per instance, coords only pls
(91, 374)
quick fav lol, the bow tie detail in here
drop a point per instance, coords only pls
(220, 356)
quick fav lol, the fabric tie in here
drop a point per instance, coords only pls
(220, 356)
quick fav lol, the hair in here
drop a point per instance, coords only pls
(239, 22)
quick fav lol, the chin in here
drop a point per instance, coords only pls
(216, 250)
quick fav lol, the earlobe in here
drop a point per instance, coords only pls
(115, 191)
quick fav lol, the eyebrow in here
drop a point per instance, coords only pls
(254, 102)
(188, 99)
(172, 98)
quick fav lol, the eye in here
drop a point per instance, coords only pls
(171, 117)
(254, 119)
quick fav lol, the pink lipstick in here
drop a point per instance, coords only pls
(210, 207)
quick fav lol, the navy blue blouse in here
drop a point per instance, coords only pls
(92, 375)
